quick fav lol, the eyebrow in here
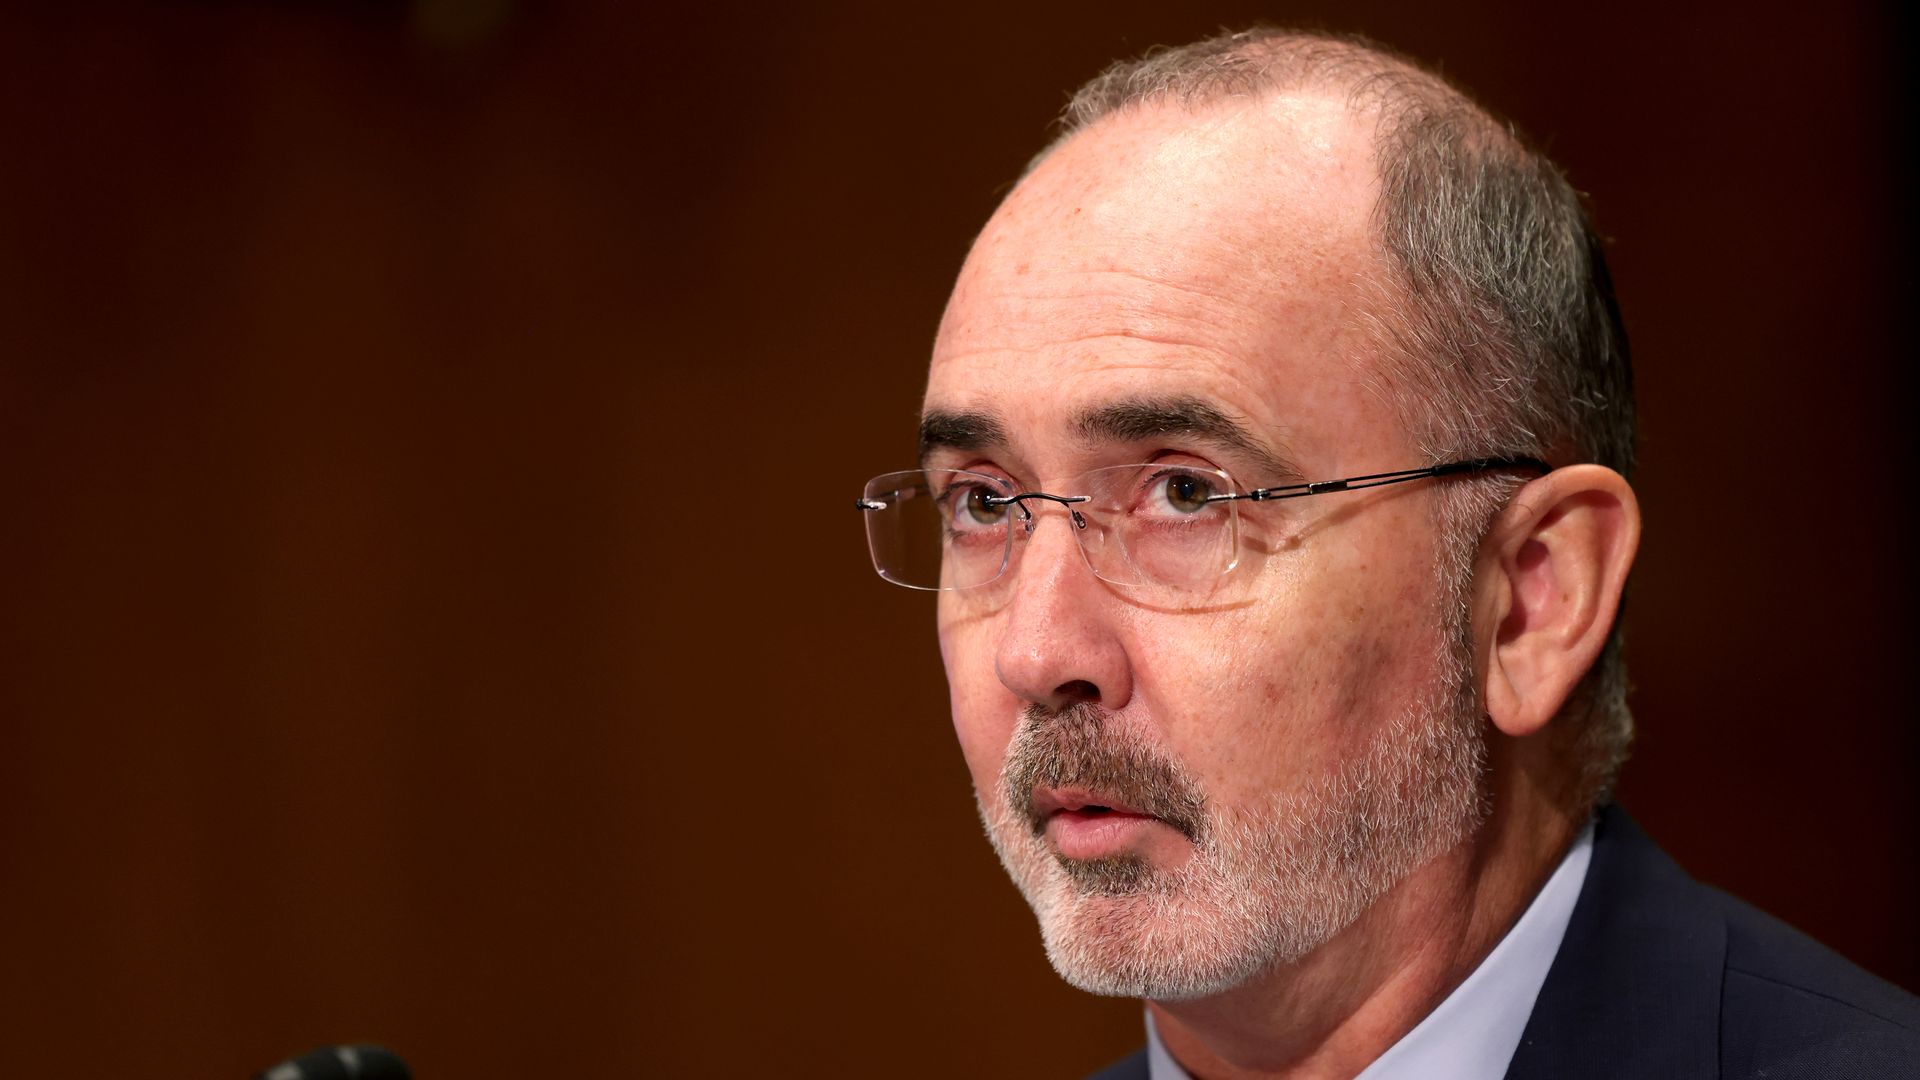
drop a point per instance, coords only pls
(960, 431)
(1145, 419)
(1130, 421)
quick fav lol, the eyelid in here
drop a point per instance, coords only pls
(982, 466)
(1248, 472)
(1194, 461)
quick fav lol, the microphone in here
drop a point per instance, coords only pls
(341, 1063)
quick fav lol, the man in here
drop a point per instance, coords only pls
(1274, 463)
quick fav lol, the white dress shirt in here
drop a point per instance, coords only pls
(1473, 1033)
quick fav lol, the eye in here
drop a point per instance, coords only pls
(1177, 492)
(1187, 493)
(968, 508)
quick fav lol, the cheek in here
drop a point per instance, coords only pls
(1272, 695)
(1232, 692)
(984, 712)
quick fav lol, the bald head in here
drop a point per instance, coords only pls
(1258, 210)
(1496, 319)
(1316, 198)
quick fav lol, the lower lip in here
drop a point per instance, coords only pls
(1079, 834)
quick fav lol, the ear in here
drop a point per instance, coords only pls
(1547, 587)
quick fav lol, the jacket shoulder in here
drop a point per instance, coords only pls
(1659, 975)
(1792, 1007)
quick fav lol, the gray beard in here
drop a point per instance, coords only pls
(1267, 884)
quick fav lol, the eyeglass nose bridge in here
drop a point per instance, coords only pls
(1026, 516)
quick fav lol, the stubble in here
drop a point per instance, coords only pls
(1267, 883)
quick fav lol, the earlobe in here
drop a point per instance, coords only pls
(1551, 573)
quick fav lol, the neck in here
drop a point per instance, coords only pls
(1331, 1013)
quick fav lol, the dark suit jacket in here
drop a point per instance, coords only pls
(1664, 978)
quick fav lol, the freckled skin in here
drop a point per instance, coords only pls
(1160, 256)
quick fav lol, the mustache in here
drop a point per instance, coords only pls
(1080, 746)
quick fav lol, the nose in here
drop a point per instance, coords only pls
(1060, 644)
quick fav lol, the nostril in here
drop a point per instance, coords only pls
(1077, 692)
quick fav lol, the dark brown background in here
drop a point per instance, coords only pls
(431, 609)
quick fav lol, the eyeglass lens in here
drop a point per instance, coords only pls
(1141, 525)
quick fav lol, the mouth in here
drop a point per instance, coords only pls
(1093, 790)
(1085, 824)
(1080, 803)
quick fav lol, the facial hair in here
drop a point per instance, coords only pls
(1266, 884)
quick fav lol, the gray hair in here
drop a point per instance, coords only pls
(1496, 324)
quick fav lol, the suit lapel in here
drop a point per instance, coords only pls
(1635, 987)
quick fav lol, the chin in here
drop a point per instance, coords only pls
(1265, 886)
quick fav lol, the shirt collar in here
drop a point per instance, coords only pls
(1472, 1034)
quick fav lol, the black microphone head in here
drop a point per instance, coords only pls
(341, 1063)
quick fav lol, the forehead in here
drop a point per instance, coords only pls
(1213, 255)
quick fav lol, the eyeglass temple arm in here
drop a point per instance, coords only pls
(992, 500)
(1354, 483)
